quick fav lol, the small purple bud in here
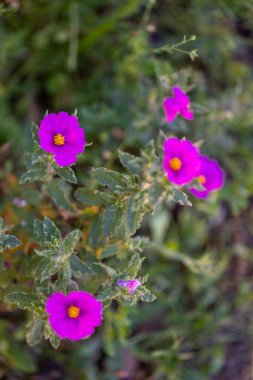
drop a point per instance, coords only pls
(131, 285)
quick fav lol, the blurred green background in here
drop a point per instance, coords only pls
(100, 57)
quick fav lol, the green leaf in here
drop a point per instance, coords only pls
(156, 193)
(108, 293)
(134, 266)
(134, 213)
(112, 219)
(95, 232)
(55, 341)
(110, 251)
(51, 232)
(114, 180)
(35, 135)
(88, 197)
(78, 265)
(32, 197)
(9, 242)
(147, 296)
(107, 197)
(48, 253)
(19, 359)
(66, 173)
(46, 268)
(180, 197)
(38, 231)
(139, 243)
(23, 300)
(32, 175)
(64, 278)
(70, 241)
(59, 191)
(203, 266)
(149, 153)
(38, 156)
(132, 163)
(108, 270)
(35, 331)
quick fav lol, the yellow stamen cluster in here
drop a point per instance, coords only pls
(201, 179)
(73, 311)
(175, 163)
(59, 139)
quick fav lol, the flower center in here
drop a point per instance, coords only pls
(73, 311)
(59, 139)
(201, 179)
(175, 163)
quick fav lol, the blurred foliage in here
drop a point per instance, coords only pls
(105, 59)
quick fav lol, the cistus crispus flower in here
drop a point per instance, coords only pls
(181, 160)
(210, 176)
(179, 105)
(61, 136)
(74, 316)
(130, 285)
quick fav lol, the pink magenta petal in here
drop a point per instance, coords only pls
(179, 105)
(180, 97)
(188, 155)
(56, 302)
(65, 159)
(67, 126)
(74, 328)
(171, 110)
(187, 114)
(213, 174)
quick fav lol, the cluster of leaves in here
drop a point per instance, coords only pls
(201, 263)
(118, 214)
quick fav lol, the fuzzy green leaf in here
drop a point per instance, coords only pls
(114, 180)
(70, 242)
(132, 163)
(23, 300)
(112, 219)
(77, 265)
(38, 156)
(66, 173)
(59, 191)
(147, 296)
(110, 251)
(32, 175)
(35, 135)
(133, 266)
(134, 214)
(180, 197)
(35, 330)
(108, 270)
(51, 232)
(46, 268)
(88, 198)
(9, 242)
(38, 231)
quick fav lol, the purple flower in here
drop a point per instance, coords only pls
(179, 105)
(210, 175)
(131, 285)
(74, 316)
(61, 136)
(181, 160)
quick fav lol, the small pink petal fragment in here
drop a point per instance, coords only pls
(179, 105)
(131, 285)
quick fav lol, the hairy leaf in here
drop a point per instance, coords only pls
(88, 197)
(66, 173)
(114, 180)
